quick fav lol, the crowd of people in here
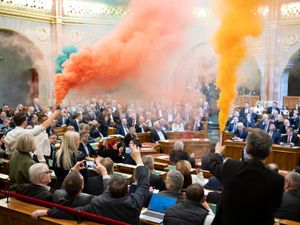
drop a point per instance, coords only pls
(283, 125)
(246, 192)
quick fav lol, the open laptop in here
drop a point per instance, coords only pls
(157, 208)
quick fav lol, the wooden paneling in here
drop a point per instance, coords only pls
(291, 101)
(186, 134)
(287, 158)
(199, 146)
(241, 99)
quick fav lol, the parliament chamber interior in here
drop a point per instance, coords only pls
(150, 112)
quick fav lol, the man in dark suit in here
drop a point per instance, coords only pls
(157, 134)
(294, 119)
(76, 121)
(63, 120)
(197, 124)
(123, 128)
(274, 134)
(249, 121)
(244, 111)
(290, 138)
(251, 192)
(232, 127)
(272, 108)
(141, 126)
(132, 136)
(240, 134)
(264, 123)
(290, 206)
(40, 177)
(155, 180)
(85, 146)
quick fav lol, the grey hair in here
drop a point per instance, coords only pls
(35, 171)
(179, 145)
(294, 179)
(175, 178)
(148, 161)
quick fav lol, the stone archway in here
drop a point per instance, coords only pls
(20, 64)
(291, 76)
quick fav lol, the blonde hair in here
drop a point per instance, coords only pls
(183, 166)
(26, 143)
(67, 148)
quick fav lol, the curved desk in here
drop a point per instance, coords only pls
(287, 158)
(199, 146)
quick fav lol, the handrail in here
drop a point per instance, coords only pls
(81, 214)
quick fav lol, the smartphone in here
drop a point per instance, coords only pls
(128, 151)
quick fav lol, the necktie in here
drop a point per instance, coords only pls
(289, 140)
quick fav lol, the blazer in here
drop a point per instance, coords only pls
(120, 130)
(126, 209)
(290, 206)
(251, 192)
(230, 127)
(294, 140)
(92, 152)
(74, 124)
(269, 110)
(60, 122)
(276, 137)
(242, 135)
(154, 136)
(157, 182)
(35, 191)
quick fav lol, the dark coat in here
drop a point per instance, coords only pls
(61, 197)
(248, 187)
(177, 155)
(270, 109)
(231, 127)
(187, 213)
(126, 209)
(290, 206)
(74, 124)
(276, 137)
(34, 191)
(242, 135)
(157, 182)
(154, 136)
(294, 140)
(92, 152)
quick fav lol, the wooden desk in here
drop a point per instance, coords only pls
(291, 101)
(288, 222)
(199, 147)
(111, 131)
(19, 212)
(147, 151)
(286, 158)
(129, 169)
(186, 134)
(144, 137)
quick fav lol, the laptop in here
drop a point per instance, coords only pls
(157, 208)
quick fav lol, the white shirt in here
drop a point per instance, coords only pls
(12, 136)
(42, 146)
(161, 135)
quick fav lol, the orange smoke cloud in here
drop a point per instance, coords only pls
(141, 43)
(239, 19)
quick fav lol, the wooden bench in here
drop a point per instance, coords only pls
(60, 131)
(288, 222)
(19, 212)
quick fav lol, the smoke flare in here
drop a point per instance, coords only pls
(239, 19)
(142, 41)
